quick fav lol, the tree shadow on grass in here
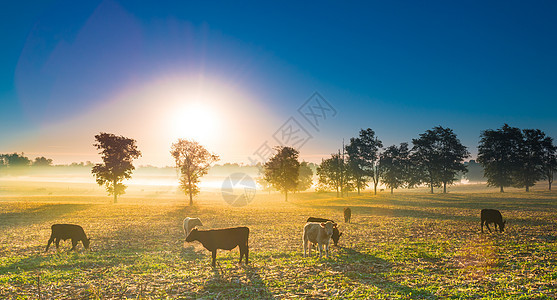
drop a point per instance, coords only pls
(38, 214)
(371, 270)
(241, 282)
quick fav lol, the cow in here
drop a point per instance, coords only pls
(317, 233)
(336, 232)
(190, 223)
(494, 216)
(225, 239)
(65, 232)
(347, 214)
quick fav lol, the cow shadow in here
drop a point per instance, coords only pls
(241, 282)
(371, 270)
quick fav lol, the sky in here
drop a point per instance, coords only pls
(241, 77)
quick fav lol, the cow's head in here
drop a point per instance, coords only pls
(192, 236)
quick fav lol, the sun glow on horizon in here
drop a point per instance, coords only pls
(195, 120)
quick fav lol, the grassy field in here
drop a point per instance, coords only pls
(410, 245)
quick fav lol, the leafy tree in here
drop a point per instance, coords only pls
(396, 167)
(305, 177)
(16, 160)
(475, 171)
(440, 155)
(265, 185)
(549, 159)
(117, 155)
(283, 170)
(498, 153)
(531, 159)
(363, 152)
(42, 162)
(192, 161)
(335, 175)
(355, 165)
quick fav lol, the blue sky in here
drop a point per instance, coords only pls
(398, 67)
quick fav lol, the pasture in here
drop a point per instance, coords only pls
(410, 245)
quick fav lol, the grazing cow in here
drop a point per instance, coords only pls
(317, 233)
(494, 216)
(226, 239)
(67, 231)
(347, 214)
(336, 232)
(190, 223)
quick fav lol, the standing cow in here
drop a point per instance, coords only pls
(317, 233)
(67, 231)
(492, 216)
(347, 214)
(226, 239)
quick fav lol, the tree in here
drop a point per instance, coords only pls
(549, 159)
(192, 161)
(396, 167)
(117, 155)
(305, 177)
(42, 162)
(16, 160)
(498, 153)
(283, 170)
(440, 155)
(335, 175)
(355, 165)
(364, 153)
(530, 168)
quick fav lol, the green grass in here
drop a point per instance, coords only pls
(410, 245)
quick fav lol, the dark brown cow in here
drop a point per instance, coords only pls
(65, 232)
(225, 238)
(492, 216)
(347, 214)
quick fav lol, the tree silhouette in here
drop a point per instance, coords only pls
(355, 164)
(499, 153)
(530, 160)
(193, 161)
(334, 174)
(15, 160)
(42, 162)
(440, 155)
(283, 169)
(117, 155)
(396, 167)
(363, 153)
(549, 158)
(305, 177)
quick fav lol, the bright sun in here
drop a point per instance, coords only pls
(195, 120)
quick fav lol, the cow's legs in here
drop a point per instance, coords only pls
(214, 256)
(49, 242)
(74, 244)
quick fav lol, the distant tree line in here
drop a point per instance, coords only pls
(19, 160)
(16, 160)
(508, 156)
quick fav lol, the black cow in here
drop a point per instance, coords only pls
(225, 238)
(65, 232)
(347, 214)
(336, 232)
(494, 216)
